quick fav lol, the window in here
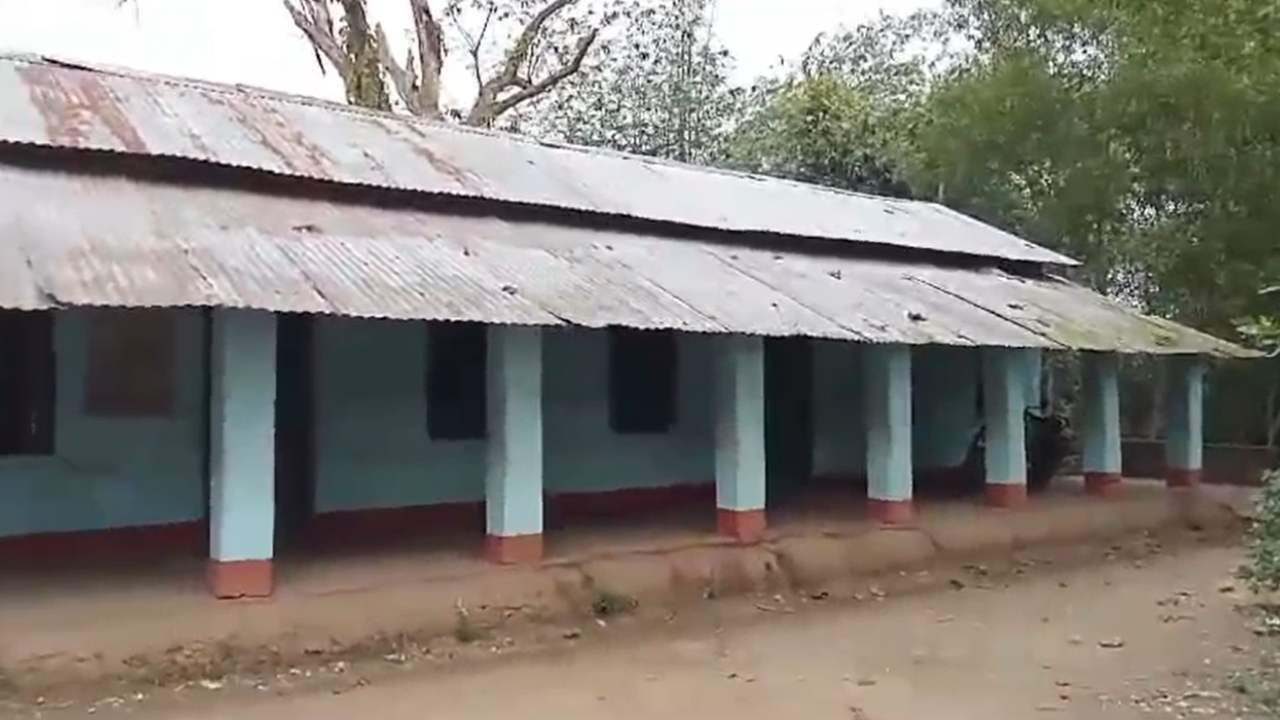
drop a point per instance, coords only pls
(131, 364)
(642, 381)
(456, 396)
(26, 383)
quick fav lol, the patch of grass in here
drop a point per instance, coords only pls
(465, 630)
(607, 603)
(1258, 686)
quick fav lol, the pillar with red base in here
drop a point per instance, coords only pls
(1184, 408)
(1004, 385)
(513, 466)
(1101, 431)
(242, 366)
(887, 392)
(740, 439)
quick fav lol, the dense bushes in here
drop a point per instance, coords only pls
(1262, 568)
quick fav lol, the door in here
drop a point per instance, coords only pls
(788, 381)
(295, 464)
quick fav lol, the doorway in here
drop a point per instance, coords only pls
(788, 418)
(295, 434)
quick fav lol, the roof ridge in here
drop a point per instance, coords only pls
(333, 105)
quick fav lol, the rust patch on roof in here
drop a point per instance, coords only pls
(422, 148)
(70, 111)
(272, 133)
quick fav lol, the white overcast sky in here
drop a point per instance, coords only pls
(254, 41)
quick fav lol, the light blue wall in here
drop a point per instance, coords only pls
(839, 441)
(242, 392)
(371, 439)
(944, 404)
(111, 471)
(584, 455)
(944, 407)
(372, 444)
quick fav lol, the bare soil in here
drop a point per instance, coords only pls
(1149, 626)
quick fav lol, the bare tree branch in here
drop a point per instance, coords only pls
(489, 101)
(487, 108)
(314, 20)
(402, 77)
(475, 44)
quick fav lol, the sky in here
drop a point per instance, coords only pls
(254, 41)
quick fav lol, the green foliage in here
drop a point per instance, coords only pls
(1141, 137)
(846, 116)
(658, 87)
(1262, 566)
(826, 130)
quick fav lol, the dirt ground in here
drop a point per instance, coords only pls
(1148, 627)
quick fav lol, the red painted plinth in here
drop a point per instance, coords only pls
(229, 580)
(1182, 477)
(1103, 485)
(892, 512)
(513, 549)
(1006, 495)
(745, 526)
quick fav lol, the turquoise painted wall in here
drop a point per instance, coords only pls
(372, 444)
(373, 449)
(839, 442)
(584, 455)
(944, 406)
(109, 471)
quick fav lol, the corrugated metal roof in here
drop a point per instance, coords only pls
(68, 239)
(48, 103)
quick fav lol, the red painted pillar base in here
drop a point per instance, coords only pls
(1183, 478)
(1104, 485)
(233, 579)
(1006, 495)
(745, 526)
(892, 512)
(513, 549)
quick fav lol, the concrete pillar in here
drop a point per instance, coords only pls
(1184, 408)
(1101, 432)
(887, 388)
(740, 438)
(242, 427)
(1004, 388)
(513, 470)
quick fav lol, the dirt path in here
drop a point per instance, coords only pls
(1036, 647)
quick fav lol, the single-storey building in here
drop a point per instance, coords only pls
(228, 316)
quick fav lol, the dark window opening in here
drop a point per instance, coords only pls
(26, 383)
(456, 396)
(131, 363)
(642, 381)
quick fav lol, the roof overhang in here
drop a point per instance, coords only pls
(70, 239)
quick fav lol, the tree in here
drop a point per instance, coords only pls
(549, 46)
(1141, 137)
(660, 88)
(846, 114)
(824, 130)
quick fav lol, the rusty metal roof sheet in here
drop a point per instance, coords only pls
(50, 103)
(70, 239)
